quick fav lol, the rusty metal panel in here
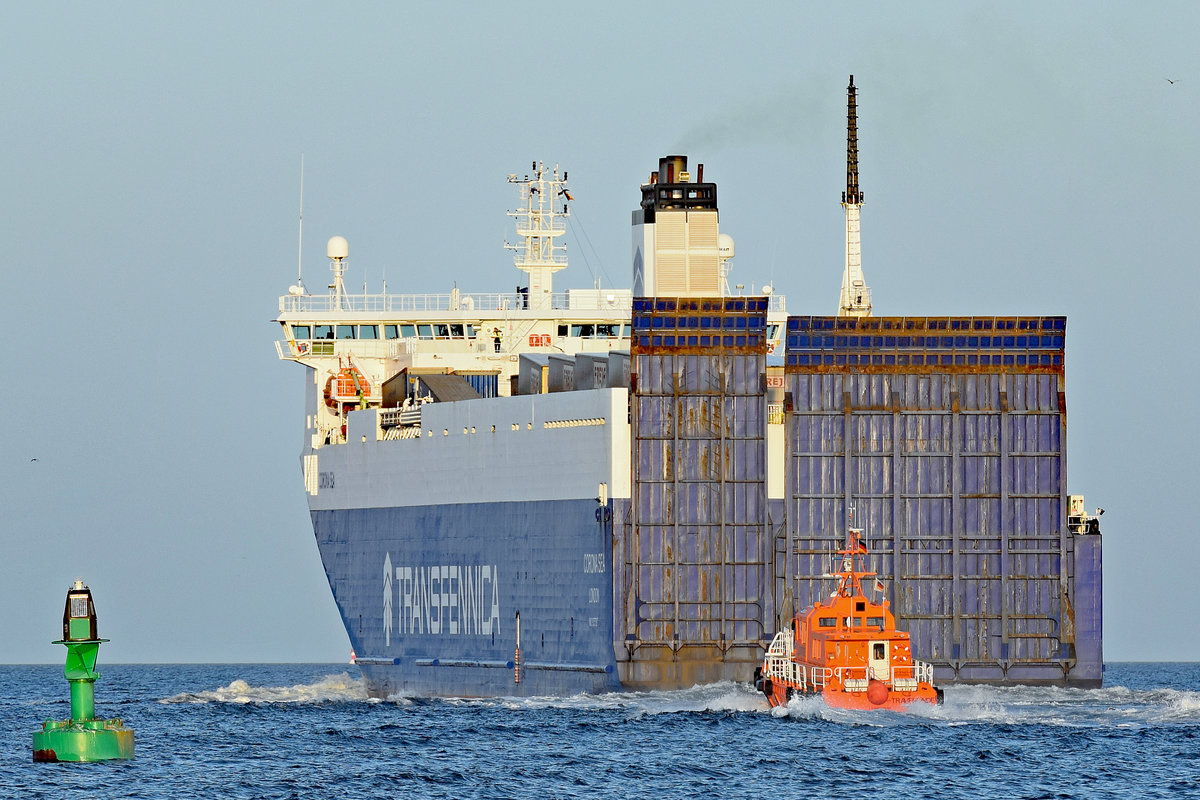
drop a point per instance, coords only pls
(697, 552)
(946, 435)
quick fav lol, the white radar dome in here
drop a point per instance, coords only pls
(337, 247)
(725, 246)
(768, 289)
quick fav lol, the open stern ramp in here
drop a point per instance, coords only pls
(695, 555)
(948, 437)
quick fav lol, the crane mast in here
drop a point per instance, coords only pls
(856, 295)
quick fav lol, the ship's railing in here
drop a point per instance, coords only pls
(384, 303)
(900, 677)
(778, 661)
(410, 303)
(779, 664)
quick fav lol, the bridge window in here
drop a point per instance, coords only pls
(368, 331)
(608, 331)
(391, 331)
(470, 331)
(322, 331)
(456, 331)
(425, 331)
(441, 331)
(345, 331)
(586, 330)
(301, 331)
(408, 331)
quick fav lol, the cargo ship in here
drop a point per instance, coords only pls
(545, 493)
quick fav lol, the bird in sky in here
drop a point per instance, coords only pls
(32, 460)
(1172, 82)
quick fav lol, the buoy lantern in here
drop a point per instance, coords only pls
(83, 737)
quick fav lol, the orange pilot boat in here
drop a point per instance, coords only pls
(847, 650)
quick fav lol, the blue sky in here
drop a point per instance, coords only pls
(1016, 159)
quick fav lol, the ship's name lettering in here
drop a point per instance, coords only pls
(593, 562)
(448, 600)
(325, 480)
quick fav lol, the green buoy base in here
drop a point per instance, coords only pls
(83, 740)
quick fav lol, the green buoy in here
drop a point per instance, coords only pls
(83, 737)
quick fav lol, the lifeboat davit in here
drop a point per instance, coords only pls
(347, 385)
(847, 650)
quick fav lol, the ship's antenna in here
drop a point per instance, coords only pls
(300, 247)
(539, 224)
(856, 295)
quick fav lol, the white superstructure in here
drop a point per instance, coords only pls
(355, 343)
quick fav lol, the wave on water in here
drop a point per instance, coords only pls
(1022, 705)
(964, 704)
(725, 696)
(330, 689)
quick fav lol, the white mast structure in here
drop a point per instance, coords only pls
(538, 225)
(337, 250)
(856, 295)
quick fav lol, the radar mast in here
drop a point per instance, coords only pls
(856, 295)
(539, 224)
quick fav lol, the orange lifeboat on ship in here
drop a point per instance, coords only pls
(346, 386)
(847, 650)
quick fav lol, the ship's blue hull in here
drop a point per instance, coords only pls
(430, 596)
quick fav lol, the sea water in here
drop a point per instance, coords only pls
(310, 731)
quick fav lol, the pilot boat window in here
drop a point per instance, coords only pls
(368, 331)
(875, 622)
(300, 331)
(408, 331)
(879, 651)
(827, 622)
(860, 606)
(345, 331)
(322, 331)
(391, 331)
(426, 331)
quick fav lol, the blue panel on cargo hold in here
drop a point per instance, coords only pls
(451, 595)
